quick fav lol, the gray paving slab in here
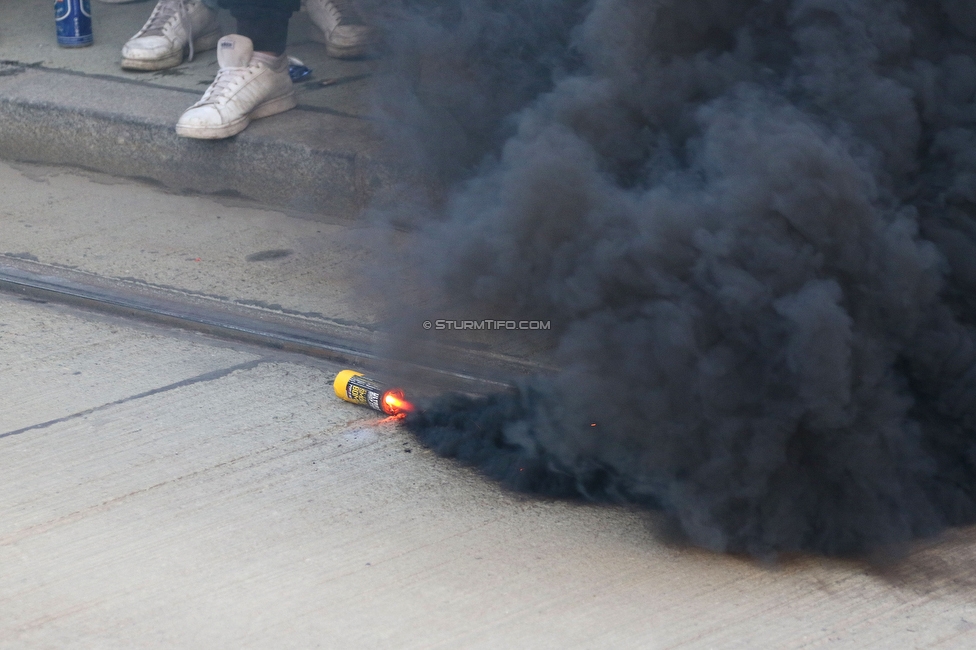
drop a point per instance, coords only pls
(226, 250)
(90, 381)
(78, 107)
(233, 250)
(250, 509)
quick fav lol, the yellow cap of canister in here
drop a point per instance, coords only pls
(341, 380)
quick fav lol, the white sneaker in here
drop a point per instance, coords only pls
(173, 26)
(346, 35)
(249, 85)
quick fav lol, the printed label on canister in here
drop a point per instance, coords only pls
(363, 391)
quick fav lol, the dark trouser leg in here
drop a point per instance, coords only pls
(265, 22)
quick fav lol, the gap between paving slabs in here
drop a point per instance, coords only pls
(448, 367)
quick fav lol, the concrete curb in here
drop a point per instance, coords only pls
(309, 159)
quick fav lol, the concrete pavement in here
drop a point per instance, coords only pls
(213, 253)
(227, 249)
(78, 107)
(160, 489)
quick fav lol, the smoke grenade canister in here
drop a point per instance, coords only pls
(355, 387)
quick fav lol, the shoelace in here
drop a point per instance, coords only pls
(225, 77)
(164, 12)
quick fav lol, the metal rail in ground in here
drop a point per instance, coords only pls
(349, 344)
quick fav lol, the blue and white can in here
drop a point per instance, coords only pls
(73, 19)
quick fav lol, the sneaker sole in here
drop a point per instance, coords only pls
(268, 108)
(353, 52)
(206, 42)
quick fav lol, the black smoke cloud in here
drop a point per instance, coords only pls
(751, 224)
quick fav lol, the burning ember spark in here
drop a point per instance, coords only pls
(395, 404)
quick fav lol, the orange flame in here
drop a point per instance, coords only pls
(394, 402)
